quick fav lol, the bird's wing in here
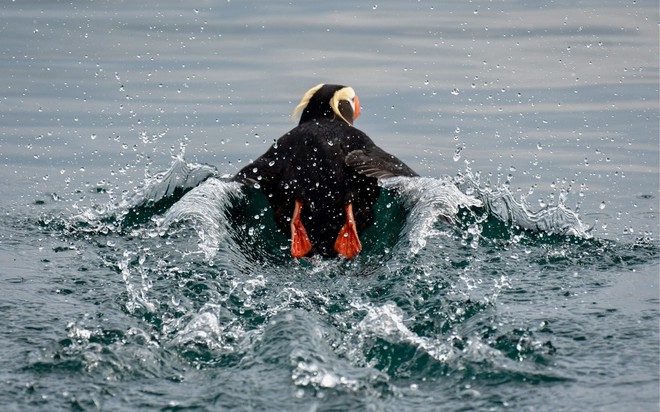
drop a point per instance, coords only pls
(375, 162)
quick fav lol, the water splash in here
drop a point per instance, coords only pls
(429, 200)
(137, 295)
(190, 192)
(181, 176)
(206, 208)
(207, 330)
(387, 322)
(501, 203)
(155, 195)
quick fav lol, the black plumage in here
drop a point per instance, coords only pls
(326, 165)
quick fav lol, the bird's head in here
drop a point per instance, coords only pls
(328, 101)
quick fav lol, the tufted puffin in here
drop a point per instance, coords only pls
(321, 178)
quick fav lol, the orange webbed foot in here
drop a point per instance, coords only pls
(348, 243)
(300, 243)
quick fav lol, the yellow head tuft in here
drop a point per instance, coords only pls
(305, 100)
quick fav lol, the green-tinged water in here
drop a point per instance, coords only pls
(520, 272)
(141, 318)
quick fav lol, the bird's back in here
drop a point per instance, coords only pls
(312, 157)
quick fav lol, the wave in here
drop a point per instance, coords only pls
(429, 200)
(180, 177)
(206, 207)
(225, 213)
(501, 203)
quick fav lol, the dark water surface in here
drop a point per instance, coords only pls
(545, 297)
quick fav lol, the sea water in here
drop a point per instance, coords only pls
(520, 272)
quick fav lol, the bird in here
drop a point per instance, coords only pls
(321, 177)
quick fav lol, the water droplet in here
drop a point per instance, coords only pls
(455, 91)
(457, 154)
(602, 205)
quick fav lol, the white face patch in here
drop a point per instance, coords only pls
(346, 93)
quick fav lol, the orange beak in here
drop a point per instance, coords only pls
(356, 110)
